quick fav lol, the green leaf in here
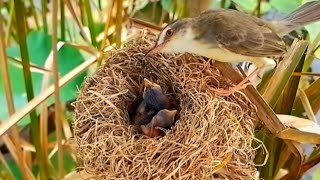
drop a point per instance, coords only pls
(316, 174)
(313, 95)
(283, 73)
(140, 5)
(217, 4)
(249, 6)
(148, 12)
(246, 5)
(69, 163)
(313, 30)
(167, 5)
(285, 6)
(39, 45)
(14, 168)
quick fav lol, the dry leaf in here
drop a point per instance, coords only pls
(302, 124)
(299, 136)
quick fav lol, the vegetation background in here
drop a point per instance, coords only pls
(54, 44)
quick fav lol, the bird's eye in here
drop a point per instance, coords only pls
(169, 32)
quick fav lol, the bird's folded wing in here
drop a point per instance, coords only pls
(257, 41)
(241, 33)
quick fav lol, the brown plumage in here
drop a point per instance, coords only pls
(163, 119)
(231, 36)
(221, 28)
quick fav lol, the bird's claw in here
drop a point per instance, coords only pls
(231, 90)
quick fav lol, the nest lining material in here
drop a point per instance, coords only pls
(212, 137)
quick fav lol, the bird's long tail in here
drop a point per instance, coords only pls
(304, 15)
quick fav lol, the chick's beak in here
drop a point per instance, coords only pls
(171, 113)
(156, 49)
(147, 84)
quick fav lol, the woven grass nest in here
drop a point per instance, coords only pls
(211, 139)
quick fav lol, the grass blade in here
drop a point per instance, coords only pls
(88, 49)
(107, 23)
(91, 23)
(65, 124)
(62, 21)
(9, 26)
(309, 164)
(288, 96)
(9, 96)
(74, 15)
(6, 167)
(283, 73)
(34, 13)
(57, 88)
(16, 157)
(33, 68)
(306, 105)
(312, 93)
(118, 23)
(82, 12)
(310, 53)
(299, 136)
(22, 33)
(44, 169)
(305, 74)
(44, 15)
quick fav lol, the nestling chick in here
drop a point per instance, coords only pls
(143, 114)
(164, 119)
(155, 97)
(153, 101)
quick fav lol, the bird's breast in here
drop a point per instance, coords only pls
(220, 54)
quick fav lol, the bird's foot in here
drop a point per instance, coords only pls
(231, 90)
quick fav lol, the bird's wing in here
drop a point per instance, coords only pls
(242, 34)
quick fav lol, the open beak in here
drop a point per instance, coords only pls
(148, 84)
(156, 49)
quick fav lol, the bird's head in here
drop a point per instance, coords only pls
(164, 118)
(173, 38)
(151, 89)
(168, 114)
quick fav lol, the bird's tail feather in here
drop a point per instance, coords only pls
(304, 15)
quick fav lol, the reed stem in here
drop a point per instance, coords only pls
(57, 88)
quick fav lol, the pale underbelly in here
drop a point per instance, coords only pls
(227, 56)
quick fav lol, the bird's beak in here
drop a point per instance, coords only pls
(156, 49)
(171, 113)
(148, 84)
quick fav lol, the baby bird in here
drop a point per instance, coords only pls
(143, 114)
(153, 101)
(155, 97)
(163, 119)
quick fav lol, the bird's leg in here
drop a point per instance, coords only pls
(242, 85)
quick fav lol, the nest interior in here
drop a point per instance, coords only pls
(212, 137)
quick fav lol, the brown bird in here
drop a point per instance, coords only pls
(229, 36)
(163, 119)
